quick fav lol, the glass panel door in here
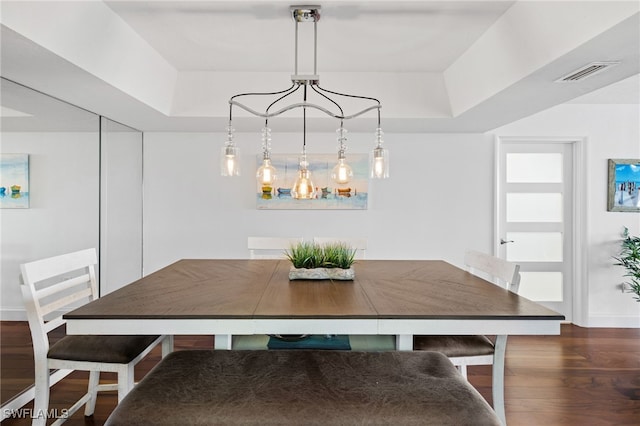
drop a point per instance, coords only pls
(535, 211)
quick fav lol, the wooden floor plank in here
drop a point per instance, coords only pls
(587, 377)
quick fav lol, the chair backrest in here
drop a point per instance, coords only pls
(50, 285)
(270, 247)
(358, 243)
(507, 273)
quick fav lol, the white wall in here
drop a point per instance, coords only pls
(66, 210)
(63, 213)
(121, 206)
(437, 203)
(611, 131)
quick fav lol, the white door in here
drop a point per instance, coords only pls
(535, 218)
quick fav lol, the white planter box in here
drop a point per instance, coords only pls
(321, 274)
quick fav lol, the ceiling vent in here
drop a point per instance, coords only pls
(587, 71)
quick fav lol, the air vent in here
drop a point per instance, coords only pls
(586, 71)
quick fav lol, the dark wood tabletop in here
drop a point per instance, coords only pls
(259, 289)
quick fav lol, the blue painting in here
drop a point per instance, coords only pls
(624, 185)
(14, 181)
(329, 195)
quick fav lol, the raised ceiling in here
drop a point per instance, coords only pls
(437, 66)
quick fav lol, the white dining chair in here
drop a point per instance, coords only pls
(49, 287)
(270, 247)
(479, 350)
(357, 243)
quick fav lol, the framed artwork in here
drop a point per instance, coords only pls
(14, 181)
(624, 186)
(329, 195)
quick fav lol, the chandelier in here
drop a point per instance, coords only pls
(306, 85)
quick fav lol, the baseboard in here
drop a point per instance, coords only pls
(13, 314)
(20, 314)
(608, 321)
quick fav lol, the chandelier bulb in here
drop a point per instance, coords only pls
(229, 157)
(342, 173)
(229, 160)
(266, 173)
(379, 158)
(303, 188)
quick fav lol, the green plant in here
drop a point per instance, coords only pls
(630, 258)
(311, 255)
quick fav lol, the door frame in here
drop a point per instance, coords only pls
(580, 217)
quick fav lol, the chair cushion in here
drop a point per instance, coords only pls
(310, 387)
(112, 349)
(454, 345)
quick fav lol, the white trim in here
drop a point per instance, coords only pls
(496, 196)
(580, 243)
(466, 326)
(13, 314)
(371, 326)
(20, 314)
(580, 302)
(171, 326)
(608, 321)
(316, 326)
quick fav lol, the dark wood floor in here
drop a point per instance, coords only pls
(582, 377)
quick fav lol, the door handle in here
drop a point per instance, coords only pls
(503, 241)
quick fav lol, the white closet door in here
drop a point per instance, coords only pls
(535, 218)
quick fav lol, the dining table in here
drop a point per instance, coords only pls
(234, 297)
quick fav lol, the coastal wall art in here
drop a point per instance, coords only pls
(624, 185)
(329, 195)
(14, 181)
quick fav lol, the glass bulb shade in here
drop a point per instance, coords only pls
(380, 163)
(266, 174)
(229, 161)
(303, 188)
(342, 172)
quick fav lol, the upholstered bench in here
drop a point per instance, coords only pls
(284, 387)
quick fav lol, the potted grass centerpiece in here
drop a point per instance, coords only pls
(311, 261)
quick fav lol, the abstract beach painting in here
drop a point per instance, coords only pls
(330, 195)
(14, 181)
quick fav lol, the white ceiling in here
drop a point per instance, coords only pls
(353, 36)
(436, 66)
